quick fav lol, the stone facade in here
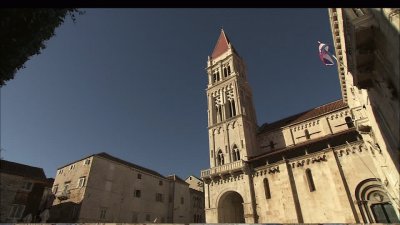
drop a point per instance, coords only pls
(367, 45)
(23, 192)
(102, 188)
(313, 167)
(195, 183)
(196, 186)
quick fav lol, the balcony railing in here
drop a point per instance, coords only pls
(223, 169)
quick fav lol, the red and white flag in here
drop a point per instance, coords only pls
(324, 54)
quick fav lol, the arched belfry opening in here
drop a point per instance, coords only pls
(220, 158)
(230, 208)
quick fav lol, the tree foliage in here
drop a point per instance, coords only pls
(23, 33)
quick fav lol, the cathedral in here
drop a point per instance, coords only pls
(312, 167)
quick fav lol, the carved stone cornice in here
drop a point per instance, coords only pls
(226, 179)
(311, 160)
(351, 149)
(269, 170)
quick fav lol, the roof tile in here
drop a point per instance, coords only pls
(320, 110)
(22, 170)
(222, 45)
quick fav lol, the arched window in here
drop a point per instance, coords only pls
(229, 70)
(376, 205)
(225, 72)
(219, 113)
(349, 122)
(307, 134)
(233, 108)
(220, 158)
(310, 180)
(266, 189)
(235, 153)
(228, 107)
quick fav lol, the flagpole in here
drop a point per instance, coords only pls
(338, 61)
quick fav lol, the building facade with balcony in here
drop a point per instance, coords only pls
(102, 188)
(23, 192)
(312, 167)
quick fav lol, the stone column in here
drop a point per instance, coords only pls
(294, 193)
(250, 208)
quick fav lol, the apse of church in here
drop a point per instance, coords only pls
(312, 167)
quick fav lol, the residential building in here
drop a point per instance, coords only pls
(22, 191)
(312, 167)
(103, 188)
(196, 186)
(180, 195)
(195, 183)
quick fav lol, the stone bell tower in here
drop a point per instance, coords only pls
(232, 123)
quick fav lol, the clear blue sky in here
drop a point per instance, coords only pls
(131, 82)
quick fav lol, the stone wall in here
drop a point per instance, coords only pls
(12, 192)
(112, 187)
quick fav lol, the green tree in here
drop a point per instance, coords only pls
(23, 33)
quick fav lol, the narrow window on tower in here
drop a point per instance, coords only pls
(218, 108)
(218, 77)
(235, 153)
(229, 69)
(214, 77)
(220, 158)
(349, 122)
(219, 113)
(307, 134)
(266, 189)
(228, 108)
(225, 72)
(310, 180)
(233, 108)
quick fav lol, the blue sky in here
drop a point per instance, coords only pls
(131, 82)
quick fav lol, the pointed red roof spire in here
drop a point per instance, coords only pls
(223, 44)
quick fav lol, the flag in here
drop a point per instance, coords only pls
(324, 54)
